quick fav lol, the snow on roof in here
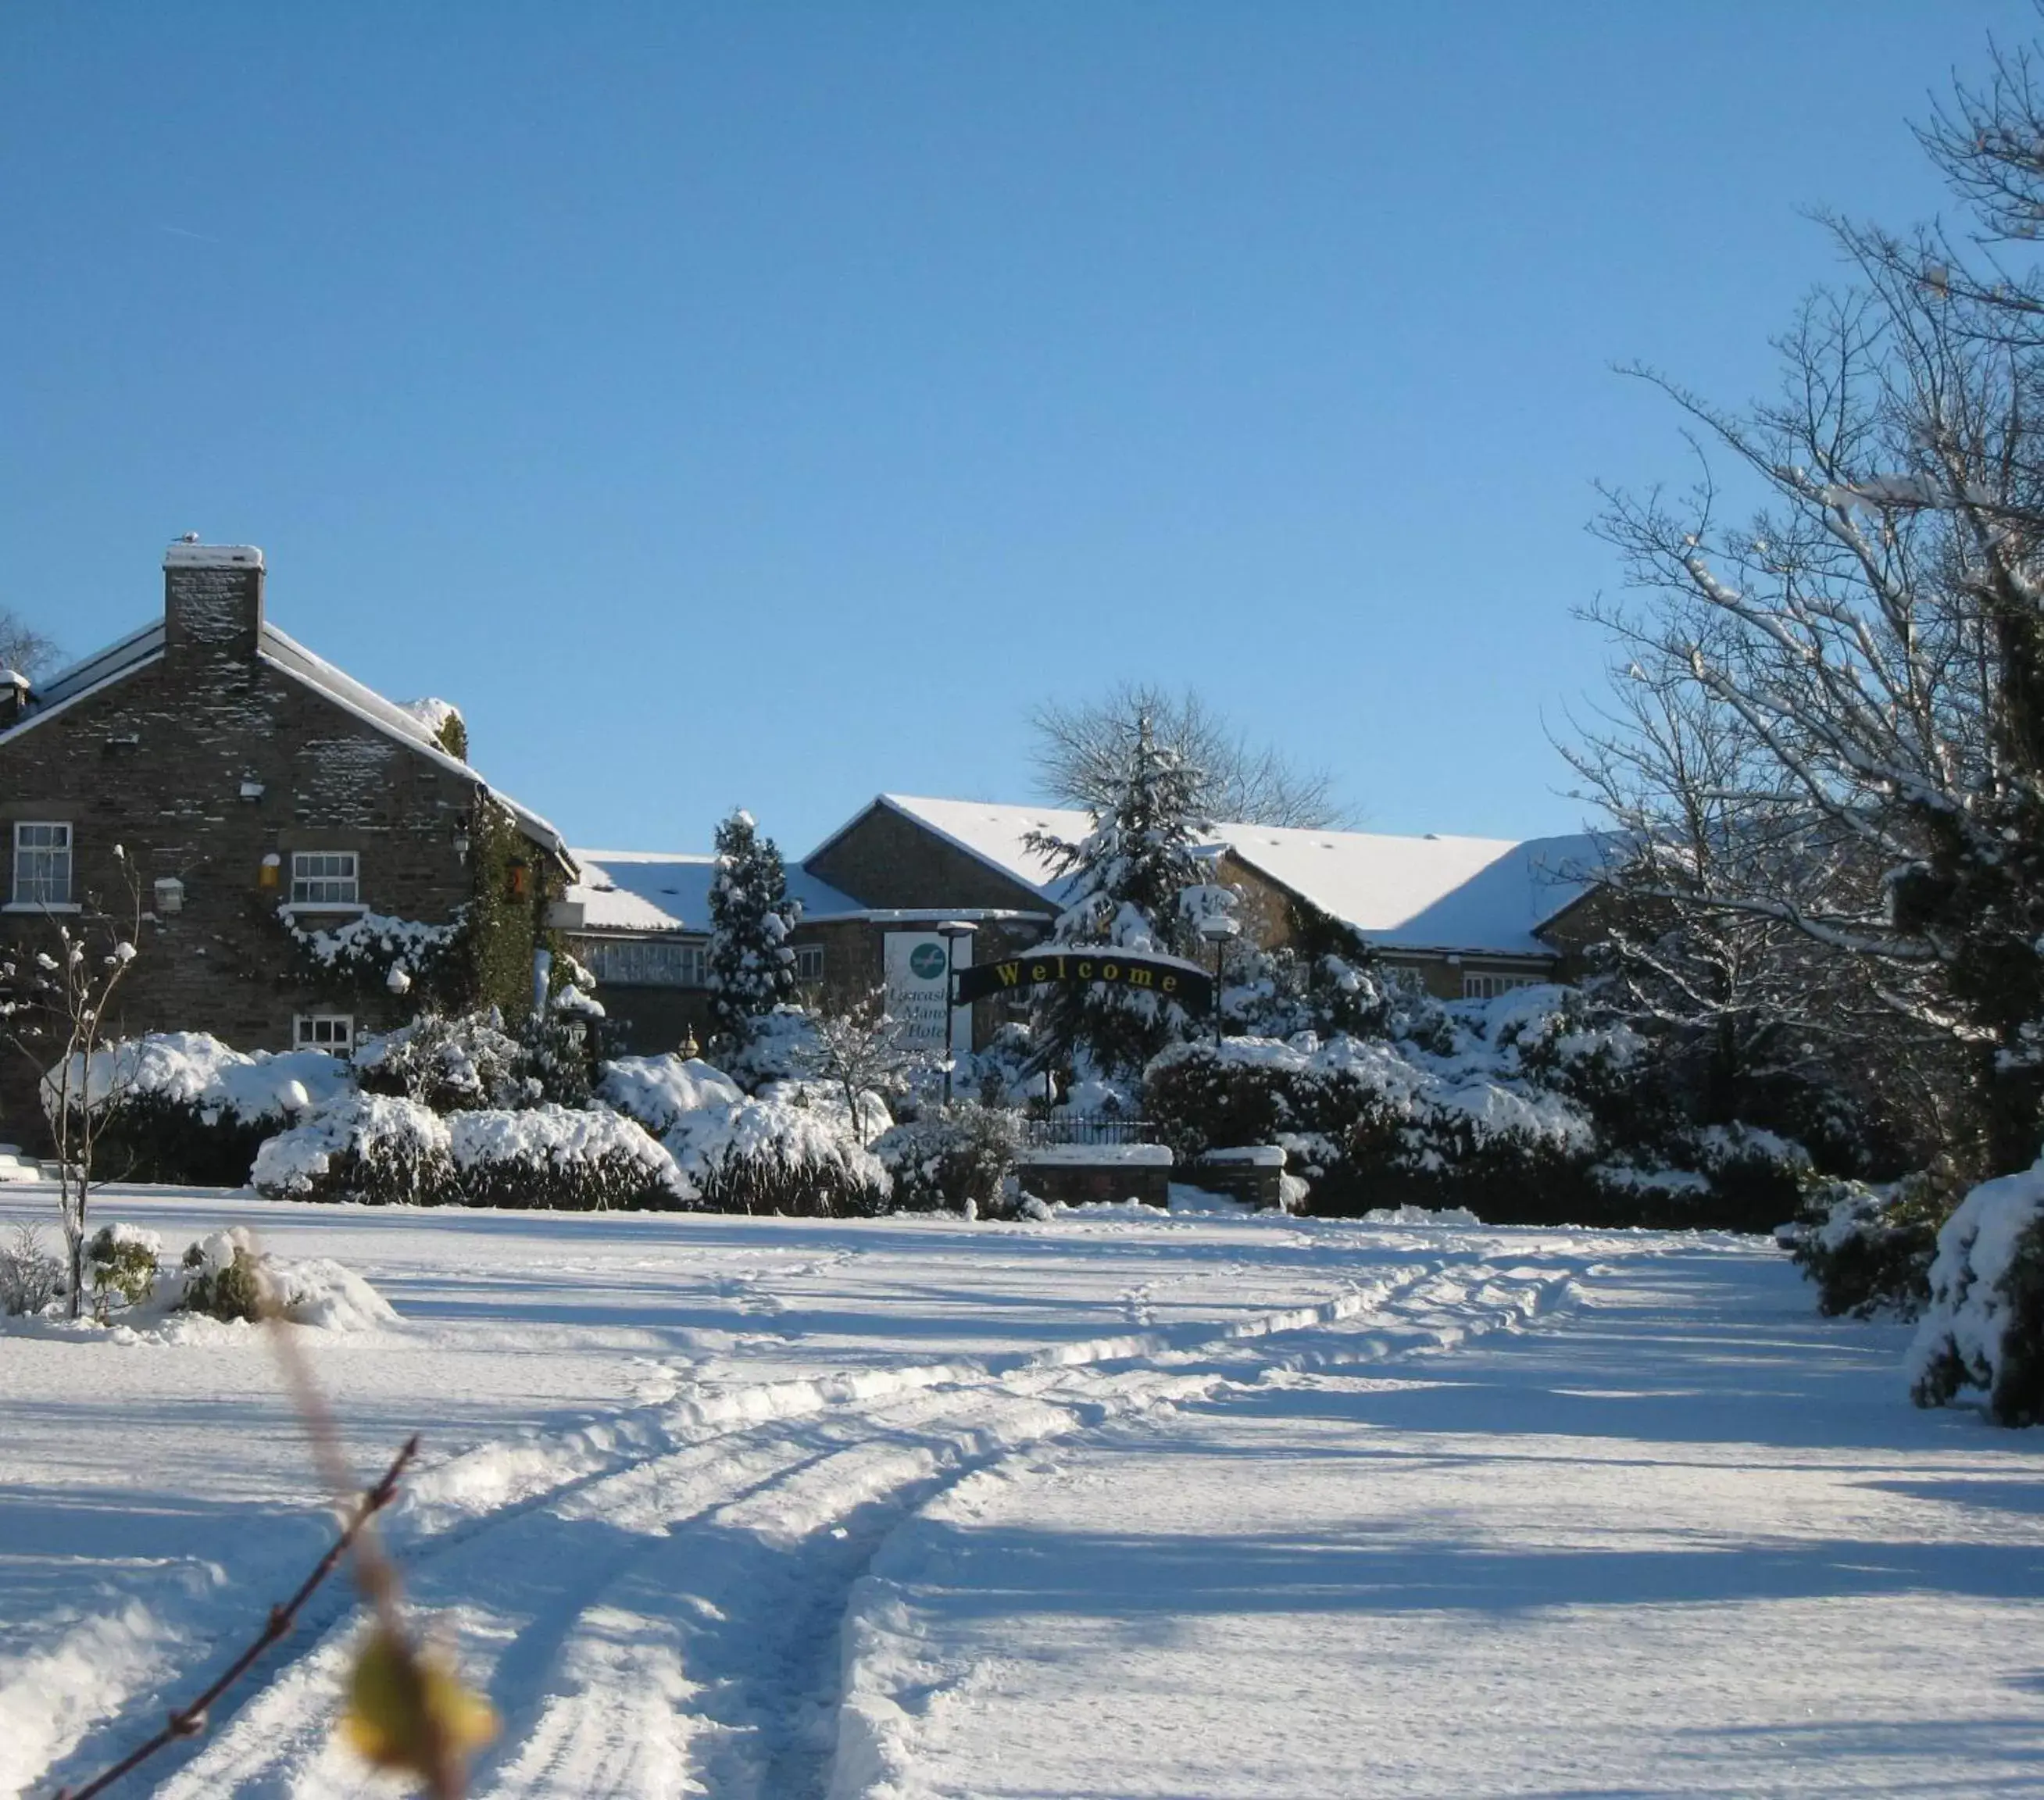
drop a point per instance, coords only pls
(141, 648)
(631, 890)
(1431, 893)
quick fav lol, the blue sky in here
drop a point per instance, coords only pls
(768, 404)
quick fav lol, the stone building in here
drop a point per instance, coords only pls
(904, 878)
(309, 860)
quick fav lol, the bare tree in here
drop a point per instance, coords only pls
(59, 1001)
(1082, 750)
(1870, 633)
(23, 649)
(862, 1050)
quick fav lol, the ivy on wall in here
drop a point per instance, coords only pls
(483, 956)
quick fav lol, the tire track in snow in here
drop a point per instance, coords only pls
(658, 1595)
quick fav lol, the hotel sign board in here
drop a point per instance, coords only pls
(1192, 988)
(916, 965)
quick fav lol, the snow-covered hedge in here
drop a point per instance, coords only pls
(376, 1149)
(183, 1107)
(792, 1148)
(1527, 1108)
(955, 1157)
(446, 1063)
(556, 1156)
(1984, 1327)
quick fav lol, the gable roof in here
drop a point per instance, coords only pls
(631, 890)
(287, 655)
(1432, 893)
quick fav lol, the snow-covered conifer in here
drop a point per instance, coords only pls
(1139, 882)
(751, 964)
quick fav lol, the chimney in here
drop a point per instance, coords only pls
(16, 697)
(212, 599)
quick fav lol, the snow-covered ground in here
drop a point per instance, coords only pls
(1107, 1506)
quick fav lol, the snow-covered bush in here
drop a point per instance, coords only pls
(30, 1277)
(180, 1106)
(1869, 1251)
(447, 1064)
(222, 1278)
(957, 1157)
(377, 1149)
(1983, 1326)
(778, 1045)
(1003, 1074)
(228, 1276)
(121, 1263)
(554, 1157)
(769, 1154)
(660, 1091)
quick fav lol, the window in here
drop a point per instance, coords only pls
(42, 865)
(325, 877)
(333, 1032)
(809, 962)
(644, 962)
(1489, 987)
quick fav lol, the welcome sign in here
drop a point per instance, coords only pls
(1189, 986)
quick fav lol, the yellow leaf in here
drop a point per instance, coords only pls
(408, 1709)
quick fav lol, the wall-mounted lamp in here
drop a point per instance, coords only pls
(251, 790)
(461, 840)
(170, 896)
(271, 871)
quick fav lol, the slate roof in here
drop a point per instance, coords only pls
(286, 653)
(1434, 892)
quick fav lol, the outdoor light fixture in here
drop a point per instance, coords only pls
(1217, 928)
(169, 895)
(461, 839)
(272, 869)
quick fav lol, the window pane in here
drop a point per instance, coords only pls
(325, 878)
(42, 864)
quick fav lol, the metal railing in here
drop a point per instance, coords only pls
(1088, 1130)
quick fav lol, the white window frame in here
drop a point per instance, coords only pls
(309, 890)
(809, 964)
(1487, 986)
(46, 900)
(333, 1032)
(644, 962)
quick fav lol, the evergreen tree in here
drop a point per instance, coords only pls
(1139, 883)
(751, 964)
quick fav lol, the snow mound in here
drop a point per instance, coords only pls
(190, 1068)
(658, 1090)
(1420, 1215)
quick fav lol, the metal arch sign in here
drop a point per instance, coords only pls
(1190, 987)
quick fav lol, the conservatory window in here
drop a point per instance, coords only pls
(640, 962)
(42, 864)
(333, 1032)
(1489, 987)
(326, 877)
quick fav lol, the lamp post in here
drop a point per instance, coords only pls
(951, 930)
(1217, 928)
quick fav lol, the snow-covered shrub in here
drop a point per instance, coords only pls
(769, 1154)
(777, 1046)
(1868, 1251)
(659, 1090)
(228, 1276)
(30, 1277)
(553, 1157)
(377, 1149)
(121, 1263)
(448, 1064)
(222, 1278)
(956, 1157)
(183, 1107)
(1003, 1074)
(1983, 1326)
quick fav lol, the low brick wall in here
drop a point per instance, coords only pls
(1081, 1174)
(1254, 1176)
